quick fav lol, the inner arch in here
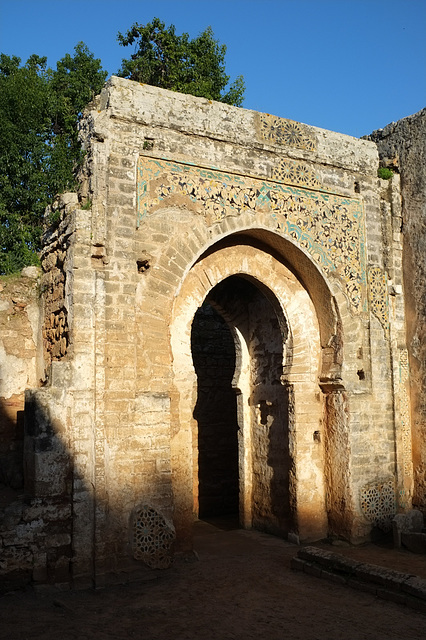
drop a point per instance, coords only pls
(300, 263)
(242, 408)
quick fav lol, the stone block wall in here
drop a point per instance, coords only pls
(402, 148)
(170, 177)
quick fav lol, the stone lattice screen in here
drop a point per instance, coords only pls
(152, 538)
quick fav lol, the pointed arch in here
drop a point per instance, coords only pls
(301, 369)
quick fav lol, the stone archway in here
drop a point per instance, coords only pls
(241, 448)
(298, 351)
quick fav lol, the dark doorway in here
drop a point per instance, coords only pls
(213, 353)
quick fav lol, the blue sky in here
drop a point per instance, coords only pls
(347, 65)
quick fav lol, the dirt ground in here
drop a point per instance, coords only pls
(241, 587)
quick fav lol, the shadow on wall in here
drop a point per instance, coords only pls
(11, 447)
(270, 400)
(53, 531)
(57, 530)
(36, 519)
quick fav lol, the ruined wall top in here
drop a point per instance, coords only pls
(406, 132)
(146, 105)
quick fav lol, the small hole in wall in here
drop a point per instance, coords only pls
(357, 188)
(360, 373)
(317, 436)
(143, 265)
(148, 144)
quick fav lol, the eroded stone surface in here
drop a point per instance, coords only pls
(402, 147)
(410, 522)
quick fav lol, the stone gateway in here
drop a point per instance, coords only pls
(222, 332)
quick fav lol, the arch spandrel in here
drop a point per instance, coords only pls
(327, 227)
(191, 243)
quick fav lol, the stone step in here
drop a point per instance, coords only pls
(387, 584)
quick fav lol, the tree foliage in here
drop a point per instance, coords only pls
(40, 109)
(24, 139)
(39, 149)
(170, 61)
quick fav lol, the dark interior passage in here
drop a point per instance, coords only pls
(213, 353)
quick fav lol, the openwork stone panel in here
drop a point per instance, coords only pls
(378, 503)
(327, 226)
(286, 132)
(299, 173)
(378, 296)
(152, 538)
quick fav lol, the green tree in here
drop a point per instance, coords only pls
(24, 143)
(39, 148)
(73, 85)
(164, 59)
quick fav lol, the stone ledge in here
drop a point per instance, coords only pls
(387, 584)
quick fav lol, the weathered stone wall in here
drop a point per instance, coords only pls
(36, 522)
(35, 516)
(19, 329)
(293, 194)
(270, 419)
(56, 281)
(402, 147)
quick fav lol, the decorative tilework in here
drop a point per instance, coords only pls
(330, 228)
(379, 296)
(152, 538)
(405, 412)
(286, 132)
(297, 173)
(378, 503)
